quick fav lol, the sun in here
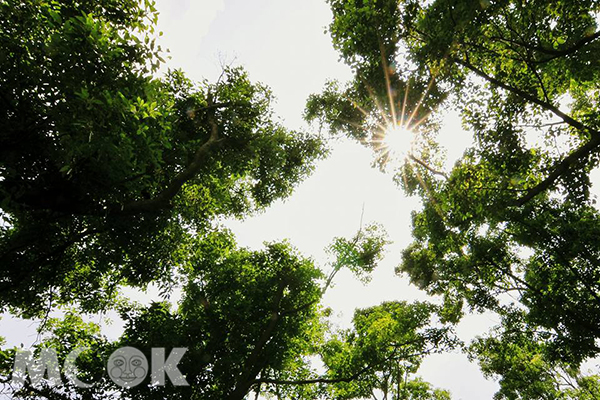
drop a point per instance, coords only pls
(399, 141)
(395, 144)
(397, 137)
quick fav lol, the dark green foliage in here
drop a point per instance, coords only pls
(243, 314)
(251, 320)
(105, 168)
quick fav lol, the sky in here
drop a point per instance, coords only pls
(283, 44)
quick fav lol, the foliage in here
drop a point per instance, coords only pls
(513, 222)
(251, 321)
(104, 168)
(110, 175)
(385, 346)
(242, 314)
(360, 254)
(520, 357)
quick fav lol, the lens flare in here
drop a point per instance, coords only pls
(398, 141)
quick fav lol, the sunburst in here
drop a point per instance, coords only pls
(397, 139)
(395, 144)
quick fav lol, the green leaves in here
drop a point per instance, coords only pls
(520, 357)
(510, 225)
(385, 346)
(243, 315)
(363, 28)
(113, 165)
(359, 254)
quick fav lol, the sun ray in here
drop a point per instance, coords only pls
(383, 157)
(362, 110)
(366, 114)
(419, 122)
(388, 84)
(404, 102)
(396, 138)
(378, 105)
(404, 178)
(354, 124)
(425, 93)
(427, 189)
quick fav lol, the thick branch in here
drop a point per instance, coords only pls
(566, 163)
(213, 106)
(547, 106)
(317, 380)
(562, 167)
(306, 381)
(427, 167)
(350, 378)
(296, 310)
(162, 200)
(252, 367)
(552, 52)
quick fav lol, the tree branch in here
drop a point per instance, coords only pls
(213, 106)
(350, 378)
(547, 106)
(551, 52)
(318, 380)
(306, 381)
(163, 199)
(566, 163)
(559, 169)
(247, 380)
(427, 167)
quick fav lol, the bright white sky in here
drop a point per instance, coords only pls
(282, 43)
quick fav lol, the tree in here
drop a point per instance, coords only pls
(519, 356)
(113, 176)
(251, 320)
(105, 169)
(513, 221)
(385, 346)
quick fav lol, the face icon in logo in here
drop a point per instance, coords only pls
(127, 367)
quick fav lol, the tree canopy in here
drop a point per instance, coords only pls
(112, 175)
(512, 227)
(251, 321)
(105, 168)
